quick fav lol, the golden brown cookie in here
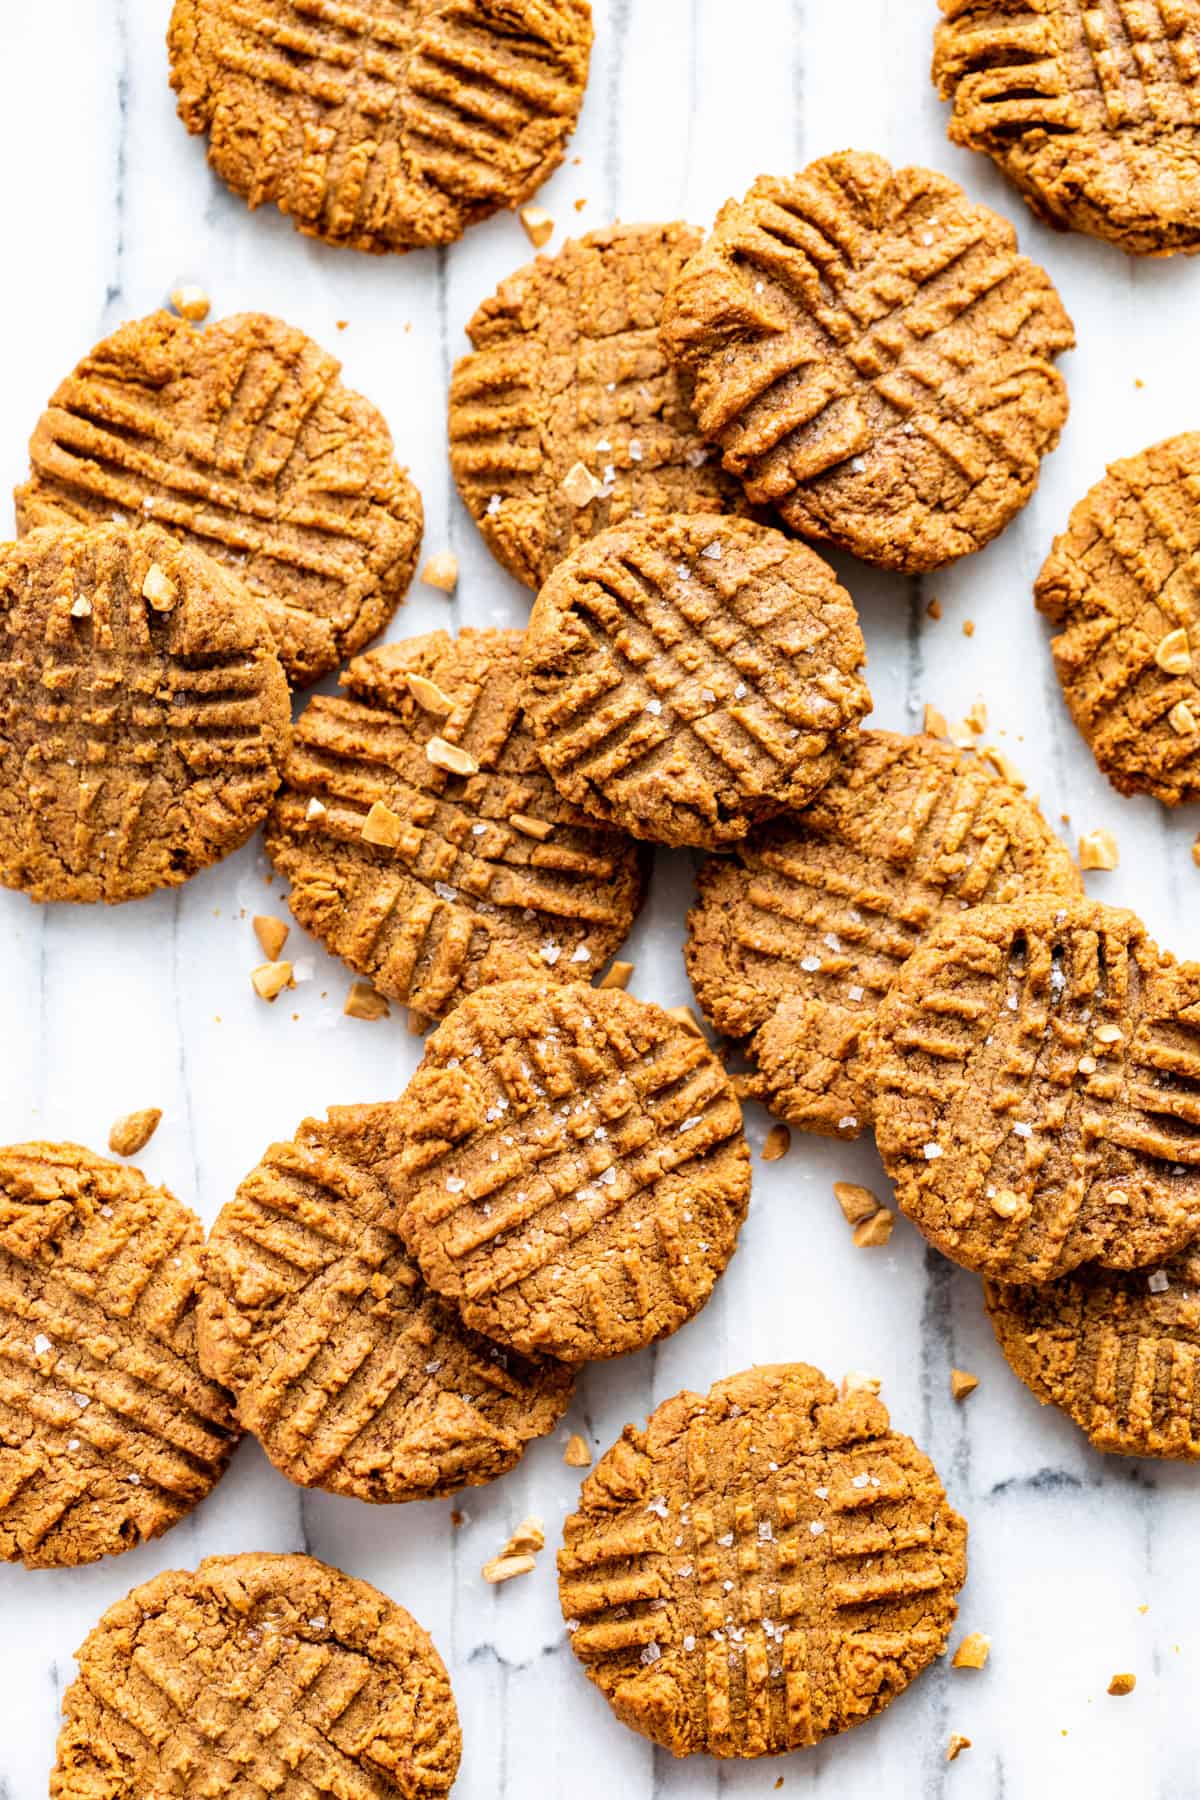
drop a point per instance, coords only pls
(760, 1568)
(431, 880)
(353, 1376)
(254, 1675)
(1121, 582)
(1036, 1071)
(572, 1171)
(1094, 111)
(242, 440)
(382, 127)
(794, 941)
(873, 357)
(144, 715)
(1118, 1353)
(109, 1433)
(566, 417)
(684, 677)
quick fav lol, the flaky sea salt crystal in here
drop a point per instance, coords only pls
(931, 1152)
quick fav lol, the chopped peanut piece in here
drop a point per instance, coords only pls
(159, 589)
(857, 1203)
(1004, 767)
(618, 975)
(683, 1015)
(1087, 1065)
(856, 1381)
(316, 809)
(580, 485)
(1173, 655)
(973, 1652)
(961, 736)
(429, 696)
(874, 1231)
(577, 1455)
(134, 1131)
(538, 225)
(958, 1743)
(1006, 1204)
(778, 1143)
(441, 572)
(530, 1535)
(191, 303)
(977, 717)
(270, 979)
(272, 935)
(451, 757)
(962, 1383)
(1182, 719)
(530, 827)
(382, 826)
(503, 1568)
(81, 607)
(935, 722)
(1098, 850)
(362, 1002)
(1109, 1034)
(1122, 1684)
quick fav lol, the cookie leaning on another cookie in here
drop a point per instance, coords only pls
(763, 1566)
(873, 357)
(353, 1376)
(1121, 583)
(683, 677)
(566, 417)
(1036, 1070)
(1094, 114)
(144, 715)
(425, 842)
(242, 440)
(259, 1672)
(572, 1172)
(109, 1432)
(794, 941)
(382, 128)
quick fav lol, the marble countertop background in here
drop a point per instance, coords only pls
(1080, 1565)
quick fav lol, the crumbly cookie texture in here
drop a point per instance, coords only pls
(425, 842)
(382, 128)
(241, 440)
(686, 676)
(566, 418)
(1035, 1070)
(353, 1376)
(572, 1172)
(1120, 585)
(109, 1432)
(760, 1568)
(257, 1673)
(1119, 1353)
(1093, 113)
(873, 358)
(144, 715)
(794, 941)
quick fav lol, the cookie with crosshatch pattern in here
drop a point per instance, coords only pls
(683, 677)
(572, 1173)
(241, 440)
(425, 842)
(257, 1674)
(382, 127)
(761, 1567)
(873, 358)
(794, 939)
(566, 417)
(109, 1431)
(352, 1375)
(144, 715)
(1036, 1072)
(1094, 112)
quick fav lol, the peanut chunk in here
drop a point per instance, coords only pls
(191, 302)
(876, 1230)
(429, 696)
(362, 1002)
(133, 1132)
(530, 827)
(1122, 1684)
(441, 571)
(1173, 655)
(962, 1383)
(973, 1652)
(451, 757)
(538, 225)
(503, 1568)
(683, 1015)
(1098, 850)
(857, 1203)
(577, 1455)
(382, 826)
(272, 935)
(580, 485)
(777, 1144)
(935, 722)
(159, 589)
(857, 1381)
(618, 975)
(270, 979)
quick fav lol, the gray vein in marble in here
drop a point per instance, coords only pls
(120, 29)
(620, 14)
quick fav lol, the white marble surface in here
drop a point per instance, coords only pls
(108, 204)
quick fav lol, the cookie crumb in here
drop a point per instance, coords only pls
(418, 1022)
(159, 589)
(530, 827)
(580, 485)
(452, 757)
(134, 1131)
(618, 975)
(538, 225)
(191, 302)
(958, 1743)
(441, 571)
(874, 1231)
(778, 1143)
(577, 1455)
(1122, 1684)
(977, 718)
(1173, 655)
(429, 696)
(1098, 850)
(683, 1015)
(1005, 768)
(1196, 852)
(272, 935)
(962, 1383)
(382, 826)
(857, 1203)
(934, 609)
(857, 1381)
(362, 1002)
(270, 979)
(973, 1652)
(968, 628)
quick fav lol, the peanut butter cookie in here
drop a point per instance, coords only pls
(572, 1171)
(686, 676)
(242, 440)
(351, 1374)
(760, 1568)
(425, 842)
(257, 1674)
(1036, 1069)
(793, 942)
(144, 715)
(566, 417)
(382, 127)
(1118, 1353)
(873, 357)
(109, 1433)
(1093, 111)
(1121, 581)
